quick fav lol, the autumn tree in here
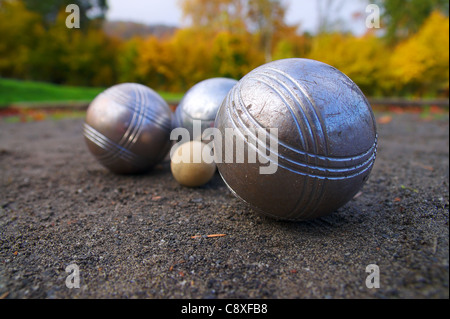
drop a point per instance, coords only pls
(403, 18)
(420, 64)
(90, 10)
(264, 18)
(20, 31)
(75, 57)
(328, 15)
(31, 49)
(232, 57)
(217, 15)
(267, 18)
(292, 44)
(363, 59)
(127, 60)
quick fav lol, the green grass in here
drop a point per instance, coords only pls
(29, 92)
(14, 91)
(171, 98)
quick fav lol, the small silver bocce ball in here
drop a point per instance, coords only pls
(127, 128)
(201, 102)
(327, 139)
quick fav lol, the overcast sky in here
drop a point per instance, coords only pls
(168, 12)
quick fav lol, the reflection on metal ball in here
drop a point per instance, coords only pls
(127, 128)
(327, 138)
(201, 102)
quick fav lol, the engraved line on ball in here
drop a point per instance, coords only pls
(305, 132)
(331, 159)
(309, 166)
(136, 120)
(310, 100)
(300, 114)
(112, 150)
(309, 109)
(312, 117)
(324, 169)
(305, 191)
(343, 172)
(300, 201)
(151, 115)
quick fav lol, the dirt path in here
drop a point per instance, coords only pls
(131, 236)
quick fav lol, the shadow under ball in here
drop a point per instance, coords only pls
(201, 102)
(127, 128)
(327, 138)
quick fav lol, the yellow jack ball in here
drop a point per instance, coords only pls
(191, 164)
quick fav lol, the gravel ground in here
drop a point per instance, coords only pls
(131, 236)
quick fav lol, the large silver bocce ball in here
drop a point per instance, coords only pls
(327, 138)
(127, 128)
(201, 102)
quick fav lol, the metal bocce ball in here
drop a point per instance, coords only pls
(327, 138)
(201, 103)
(128, 128)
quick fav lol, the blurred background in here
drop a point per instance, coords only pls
(172, 45)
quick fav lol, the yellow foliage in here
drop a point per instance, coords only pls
(234, 55)
(423, 60)
(175, 63)
(226, 40)
(127, 61)
(291, 45)
(19, 32)
(190, 56)
(364, 59)
(54, 53)
(215, 15)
